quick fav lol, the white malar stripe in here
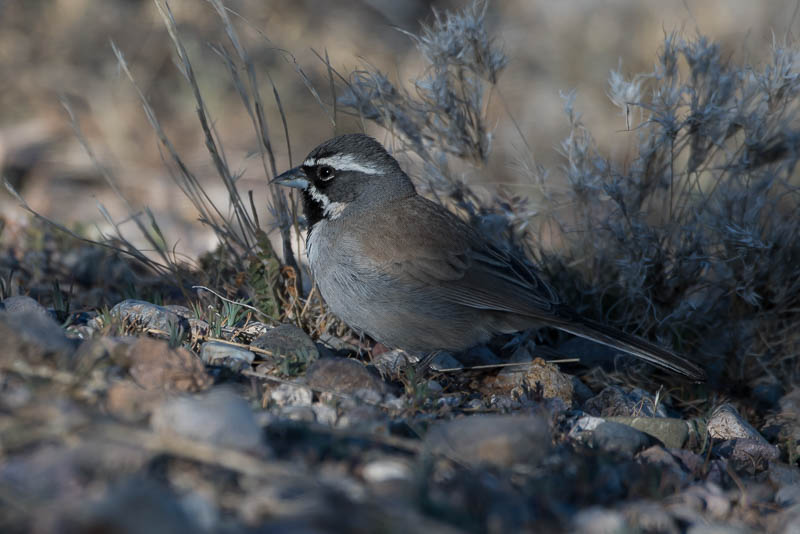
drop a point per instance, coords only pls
(319, 197)
(342, 162)
(331, 210)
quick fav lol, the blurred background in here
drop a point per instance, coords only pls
(61, 49)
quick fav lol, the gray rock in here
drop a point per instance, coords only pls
(498, 440)
(225, 355)
(138, 505)
(788, 495)
(675, 471)
(717, 528)
(290, 395)
(726, 423)
(474, 404)
(386, 469)
(673, 433)
(613, 401)
(287, 341)
(182, 311)
(364, 417)
(648, 516)
(750, 455)
(582, 426)
(691, 461)
(787, 521)
(781, 474)
(434, 387)
(619, 439)
(220, 418)
(325, 414)
(450, 401)
(345, 376)
(33, 337)
(599, 521)
(156, 366)
(149, 315)
(696, 501)
(445, 360)
(22, 304)
(299, 413)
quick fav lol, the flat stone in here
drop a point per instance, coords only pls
(749, 455)
(153, 365)
(598, 520)
(288, 345)
(148, 315)
(137, 505)
(726, 423)
(22, 304)
(290, 395)
(226, 355)
(131, 402)
(298, 413)
(582, 427)
(619, 439)
(345, 376)
(674, 470)
(325, 414)
(673, 433)
(386, 469)
(788, 495)
(287, 340)
(613, 401)
(696, 501)
(498, 440)
(718, 528)
(647, 516)
(781, 474)
(365, 418)
(33, 337)
(219, 417)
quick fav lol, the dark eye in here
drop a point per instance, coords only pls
(325, 172)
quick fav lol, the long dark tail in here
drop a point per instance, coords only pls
(633, 345)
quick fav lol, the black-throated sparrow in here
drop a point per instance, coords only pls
(412, 275)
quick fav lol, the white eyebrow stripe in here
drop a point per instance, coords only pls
(342, 162)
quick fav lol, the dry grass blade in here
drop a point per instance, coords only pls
(245, 223)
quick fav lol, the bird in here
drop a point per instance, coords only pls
(413, 275)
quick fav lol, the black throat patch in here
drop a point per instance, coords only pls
(313, 209)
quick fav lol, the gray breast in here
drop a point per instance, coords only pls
(347, 282)
(397, 313)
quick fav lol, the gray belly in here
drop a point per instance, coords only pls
(409, 316)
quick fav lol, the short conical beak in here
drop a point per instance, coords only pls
(293, 178)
